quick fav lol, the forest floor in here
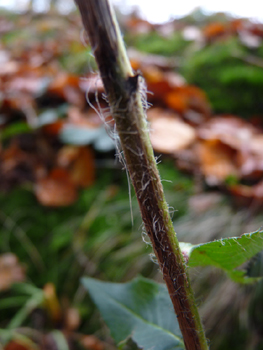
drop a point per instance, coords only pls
(66, 206)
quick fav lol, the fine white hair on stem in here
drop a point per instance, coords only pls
(145, 237)
(153, 258)
(164, 180)
(104, 113)
(82, 38)
(99, 110)
(143, 93)
(121, 158)
(158, 159)
(172, 211)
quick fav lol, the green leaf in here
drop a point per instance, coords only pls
(35, 300)
(140, 309)
(15, 129)
(60, 340)
(15, 301)
(226, 254)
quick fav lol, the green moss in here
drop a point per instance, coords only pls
(154, 43)
(232, 84)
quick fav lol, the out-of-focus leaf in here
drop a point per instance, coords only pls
(80, 164)
(34, 85)
(9, 68)
(203, 202)
(79, 136)
(90, 342)
(84, 136)
(230, 130)
(50, 121)
(91, 84)
(216, 160)
(15, 129)
(84, 119)
(226, 254)
(51, 115)
(72, 319)
(140, 61)
(188, 97)
(67, 87)
(140, 309)
(160, 83)
(246, 195)
(138, 25)
(47, 117)
(51, 302)
(214, 30)
(53, 129)
(11, 271)
(169, 134)
(35, 300)
(63, 80)
(57, 189)
(60, 340)
(16, 345)
(104, 143)
(236, 138)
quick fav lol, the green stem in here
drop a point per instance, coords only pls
(123, 88)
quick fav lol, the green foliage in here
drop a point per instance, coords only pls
(51, 243)
(49, 240)
(35, 299)
(226, 254)
(74, 60)
(140, 309)
(232, 84)
(15, 129)
(154, 43)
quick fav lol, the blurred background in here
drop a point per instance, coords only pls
(66, 209)
(151, 11)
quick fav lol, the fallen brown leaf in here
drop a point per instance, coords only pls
(53, 129)
(90, 342)
(168, 133)
(217, 161)
(188, 97)
(67, 86)
(240, 136)
(79, 162)
(248, 195)
(215, 30)
(230, 130)
(71, 319)
(57, 189)
(89, 118)
(16, 345)
(11, 271)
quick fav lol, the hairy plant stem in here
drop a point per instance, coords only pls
(122, 87)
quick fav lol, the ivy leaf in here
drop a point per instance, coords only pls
(140, 309)
(226, 254)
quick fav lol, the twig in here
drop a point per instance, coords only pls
(123, 88)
